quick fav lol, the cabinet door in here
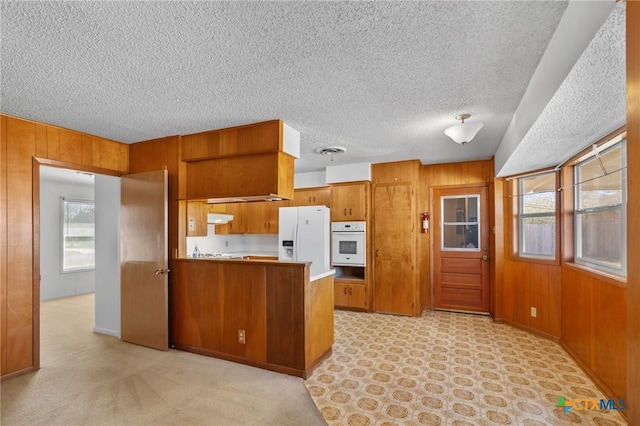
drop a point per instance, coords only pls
(357, 296)
(313, 197)
(340, 294)
(235, 226)
(273, 218)
(348, 202)
(394, 286)
(197, 219)
(254, 214)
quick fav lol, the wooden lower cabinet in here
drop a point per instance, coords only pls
(350, 294)
(261, 313)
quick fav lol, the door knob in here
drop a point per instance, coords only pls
(162, 271)
(485, 257)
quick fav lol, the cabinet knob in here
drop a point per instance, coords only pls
(377, 253)
(345, 212)
(350, 214)
(349, 291)
(345, 291)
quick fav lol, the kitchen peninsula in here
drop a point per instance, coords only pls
(266, 313)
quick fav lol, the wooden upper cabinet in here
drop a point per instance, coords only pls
(241, 177)
(349, 201)
(320, 196)
(197, 219)
(235, 226)
(262, 217)
(252, 138)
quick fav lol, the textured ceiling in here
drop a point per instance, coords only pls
(382, 79)
(590, 103)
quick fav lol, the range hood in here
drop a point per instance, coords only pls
(219, 218)
(227, 200)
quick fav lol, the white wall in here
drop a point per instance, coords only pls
(107, 273)
(54, 283)
(256, 244)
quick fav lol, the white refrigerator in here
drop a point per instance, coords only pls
(304, 235)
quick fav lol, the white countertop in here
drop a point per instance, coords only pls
(322, 275)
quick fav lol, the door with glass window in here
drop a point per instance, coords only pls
(461, 249)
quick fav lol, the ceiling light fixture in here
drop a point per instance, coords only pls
(463, 133)
(330, 150)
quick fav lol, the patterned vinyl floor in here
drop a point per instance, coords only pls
(448, 369)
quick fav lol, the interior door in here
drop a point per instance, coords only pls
(461, 249)
(144, 259)
(394, 289)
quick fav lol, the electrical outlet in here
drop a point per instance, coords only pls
(534, 312)
(241, 337)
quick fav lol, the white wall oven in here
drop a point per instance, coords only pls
(348, 243)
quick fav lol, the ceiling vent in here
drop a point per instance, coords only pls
(331, 150)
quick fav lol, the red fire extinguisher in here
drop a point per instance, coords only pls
(425, 222)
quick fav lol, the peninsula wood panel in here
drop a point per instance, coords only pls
(224, 297)
(22, 140)
(438, 175)
(633, 205)
(594, 328)
(243, 308)
(319, 319)
(285, 321)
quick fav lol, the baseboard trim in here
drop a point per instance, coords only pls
(604, 388)
(16, 373)
(106, 331)
(529, 329)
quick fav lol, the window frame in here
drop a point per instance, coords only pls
(64, 202)
(518, 218)
(594, 265)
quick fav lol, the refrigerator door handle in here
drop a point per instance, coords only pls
(296, 238)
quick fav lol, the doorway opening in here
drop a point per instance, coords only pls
(78, 256)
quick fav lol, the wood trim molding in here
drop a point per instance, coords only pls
(633, 226)
(73, 166)
(602, 386)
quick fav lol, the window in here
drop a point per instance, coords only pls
(78, 235)
(600, 210)
(537, 198)
(460, 225)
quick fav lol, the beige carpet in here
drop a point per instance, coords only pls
(92, 379)
(447, 369)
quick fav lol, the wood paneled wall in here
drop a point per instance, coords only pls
(524, 285)
(21, 142)
(160, 154)
(633, 207)
(439, 175)
(594, 324)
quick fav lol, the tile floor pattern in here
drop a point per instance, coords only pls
(447, 369)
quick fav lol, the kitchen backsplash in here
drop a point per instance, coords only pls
(249, 243)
